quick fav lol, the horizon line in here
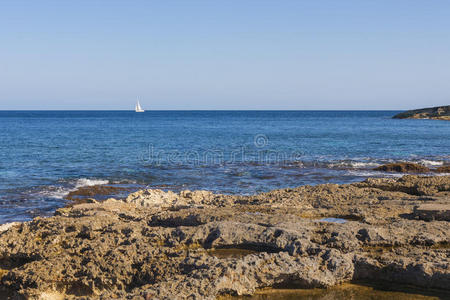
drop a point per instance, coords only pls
(150, 110)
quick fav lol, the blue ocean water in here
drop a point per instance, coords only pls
(45, 154)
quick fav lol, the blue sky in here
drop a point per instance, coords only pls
(224, 54)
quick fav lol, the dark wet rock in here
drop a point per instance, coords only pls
(443, 169)
(82, 193)
(403, 167)
(199, 245)
(435, 113)
(432, 211)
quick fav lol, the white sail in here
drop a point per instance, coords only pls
(138, 107)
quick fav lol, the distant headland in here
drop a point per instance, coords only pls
(434, 113)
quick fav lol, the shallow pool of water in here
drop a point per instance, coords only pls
(345, 292)
(333, 220)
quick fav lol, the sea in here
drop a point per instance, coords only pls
(44, 155)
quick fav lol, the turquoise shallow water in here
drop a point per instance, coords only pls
(45, 154)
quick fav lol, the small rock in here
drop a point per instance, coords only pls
(443, 169)
(403, 168)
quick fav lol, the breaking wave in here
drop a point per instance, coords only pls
(59, 192)
(430, 163)
(90, 182)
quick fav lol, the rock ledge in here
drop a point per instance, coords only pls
(200, 245)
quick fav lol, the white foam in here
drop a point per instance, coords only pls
(373, 174)
(354, 164)
(90, 182)
(59, 192)
(431, 163)
(55, 192)
(363, 164)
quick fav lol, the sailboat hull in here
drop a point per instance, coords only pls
(138, 107)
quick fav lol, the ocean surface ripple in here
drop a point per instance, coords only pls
(46, 154)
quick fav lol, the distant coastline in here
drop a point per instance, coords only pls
(433, 113)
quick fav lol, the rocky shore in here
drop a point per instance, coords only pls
(200, 245)
(435, 113)
(407, 167)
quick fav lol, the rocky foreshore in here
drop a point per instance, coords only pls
(200, 245)
(408, 167)
(434, 113)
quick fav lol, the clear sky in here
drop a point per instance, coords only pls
(224, 54)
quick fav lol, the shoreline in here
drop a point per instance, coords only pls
(171, 245)
(46, 198)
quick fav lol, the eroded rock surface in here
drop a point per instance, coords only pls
(199, 245)
(432, 212)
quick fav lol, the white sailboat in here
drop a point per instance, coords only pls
(138, 107)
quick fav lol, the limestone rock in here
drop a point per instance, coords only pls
(7, 226)
(164, 245)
